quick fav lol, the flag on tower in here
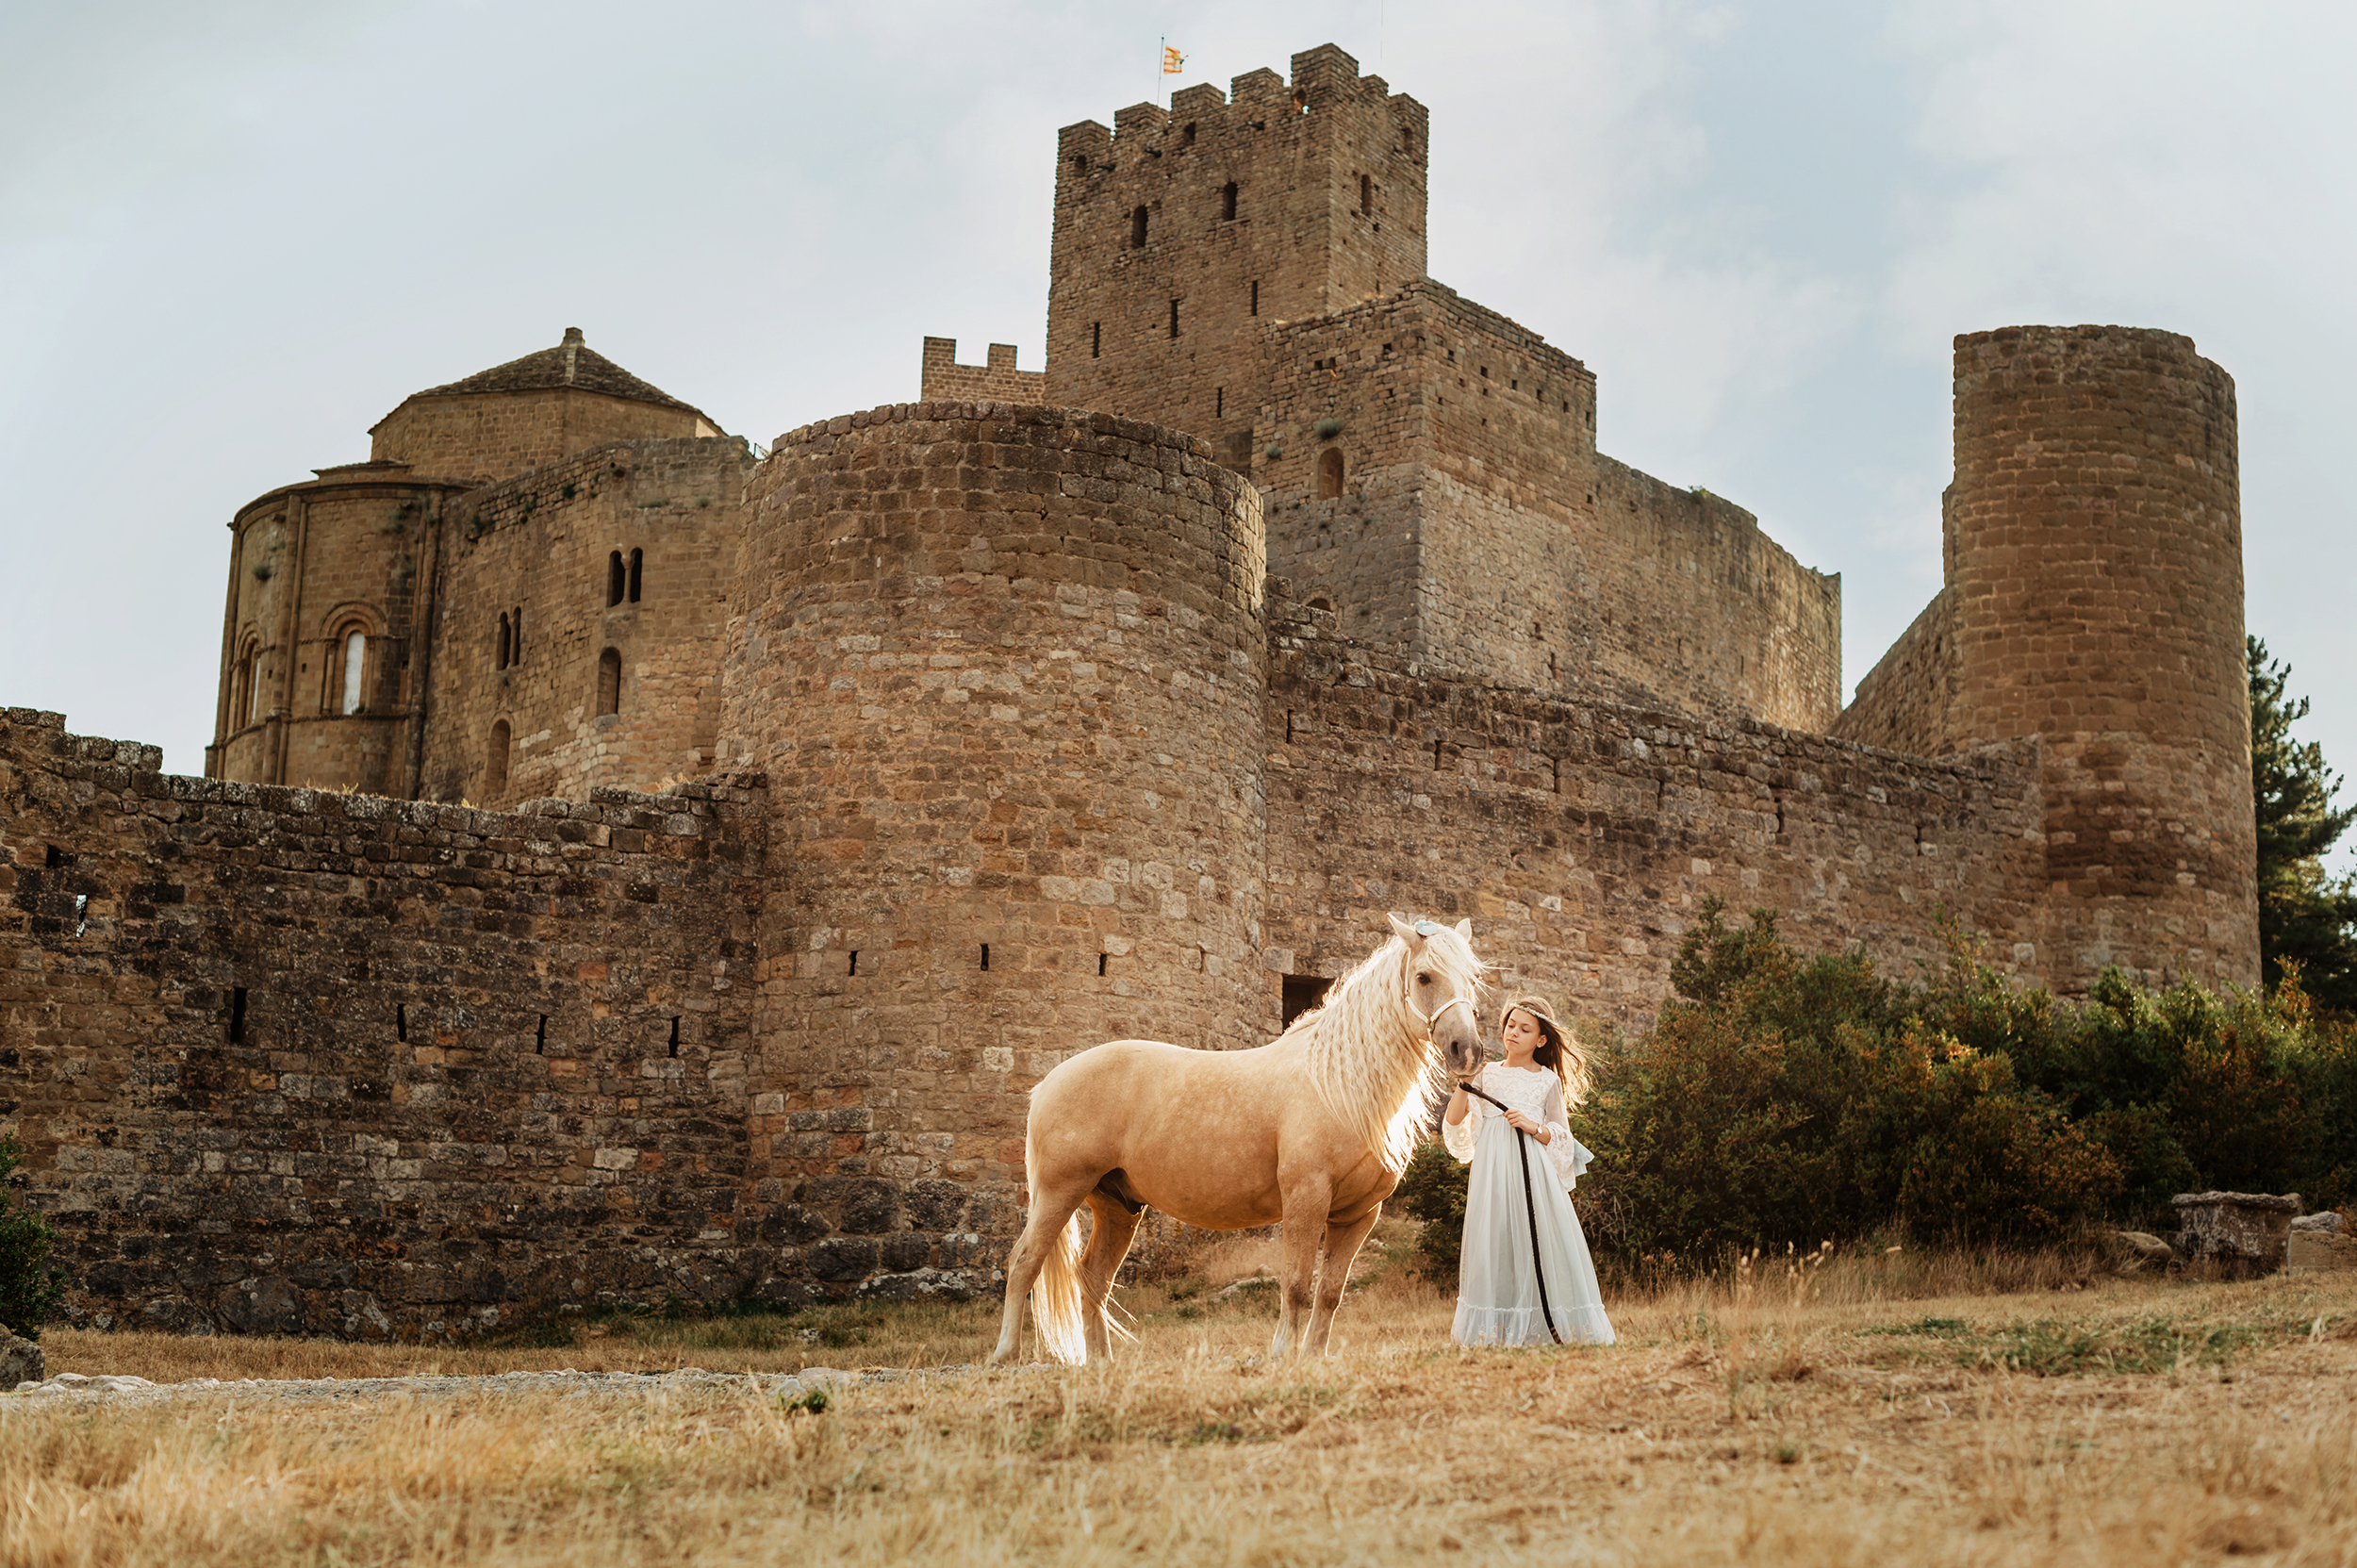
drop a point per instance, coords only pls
(1173, 61)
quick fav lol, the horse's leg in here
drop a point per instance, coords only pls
(1041, 1233)
(1342, 1241)
(1109, 1244)
(1307, 1202)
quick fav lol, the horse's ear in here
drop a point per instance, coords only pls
(1401, 930)
(1464, 928)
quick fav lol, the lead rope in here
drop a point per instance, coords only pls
(1530, 1206)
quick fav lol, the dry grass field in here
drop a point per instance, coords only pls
(1869, 1409)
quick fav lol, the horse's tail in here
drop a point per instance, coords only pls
(1057, 1310)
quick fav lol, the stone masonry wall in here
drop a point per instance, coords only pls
(312, 1063)
(1704, 607)
(1581, 837)
(491, 436)
(1373, 386)
(1908, 702)
(997, 381)
(309, 564)
(1329, 209)
(2096, 570)
(539, 550)
(1006, 668)
(1479, 531)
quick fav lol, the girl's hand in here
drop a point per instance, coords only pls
(1523, 1124)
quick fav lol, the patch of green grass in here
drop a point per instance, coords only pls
(2049, 1349)
(1943, 1328)
(2053, 1347)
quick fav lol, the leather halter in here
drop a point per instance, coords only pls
(1427, 928)
(1437, 1014)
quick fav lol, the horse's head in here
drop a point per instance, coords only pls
(1441, 985)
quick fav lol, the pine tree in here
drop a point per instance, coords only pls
(2305, 919)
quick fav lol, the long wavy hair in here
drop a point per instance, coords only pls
(1365, 1057)
(1560, 1053)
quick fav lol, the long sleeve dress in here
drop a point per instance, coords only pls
(1497, 1294)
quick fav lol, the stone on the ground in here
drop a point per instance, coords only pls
(2243, 1228)
(2320, 1244)
(20, 1361)
(2142, 1247)
(1257, 1278)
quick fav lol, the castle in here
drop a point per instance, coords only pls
(631, 864)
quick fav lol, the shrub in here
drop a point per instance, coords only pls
(1433, 1189)
(1790, 1100)
(29, 1289)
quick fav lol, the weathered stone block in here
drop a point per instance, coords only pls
(2250, 1228)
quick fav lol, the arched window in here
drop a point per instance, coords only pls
(495, 765)
(609, 681)
(516, 639)
(245, 695)
(1228, 200)
(1137, 228)
(613, 579)
(1330, 474)
(499, 659)
(355, 669)
(637, 560)
(1366, 194)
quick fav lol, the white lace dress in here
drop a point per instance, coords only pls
(1497, 1294)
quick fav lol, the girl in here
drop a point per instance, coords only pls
(1497, 1292)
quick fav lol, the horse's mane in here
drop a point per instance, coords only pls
(1358, 1064)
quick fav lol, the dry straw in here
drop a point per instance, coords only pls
(1794, 1412)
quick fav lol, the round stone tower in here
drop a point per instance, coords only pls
(1004, 667)
(329, 597)
(2095, 566)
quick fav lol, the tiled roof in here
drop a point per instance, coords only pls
(571, 363)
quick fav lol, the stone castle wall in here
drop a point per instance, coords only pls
(1005, 666)
(1699, 604)
(2093, 597)
(2098, 582)
(293, 1061)
(1165, 327)
(489, 435)
(309, 564)
(539, 551)
(1582, 836)
(996, 379)
(1908, 702)
(1478, 529)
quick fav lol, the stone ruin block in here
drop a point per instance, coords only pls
(2248, 1229)
(2319, 1244)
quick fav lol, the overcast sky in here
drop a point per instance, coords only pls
(233, 236)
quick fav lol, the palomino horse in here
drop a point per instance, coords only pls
(1312, 1128)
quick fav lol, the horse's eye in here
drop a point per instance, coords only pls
(1424, 979)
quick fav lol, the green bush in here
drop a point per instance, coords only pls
(1784, 1099)
(1433, 1189)
(29, 1289)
